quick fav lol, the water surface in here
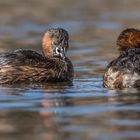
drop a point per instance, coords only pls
(84, 110)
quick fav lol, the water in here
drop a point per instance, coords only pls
(84, 110)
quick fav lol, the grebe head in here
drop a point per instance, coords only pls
(129, 38)
(55, 43)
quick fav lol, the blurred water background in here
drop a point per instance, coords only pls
(82, 111)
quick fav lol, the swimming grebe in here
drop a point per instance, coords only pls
(124, 71)
(24, 66)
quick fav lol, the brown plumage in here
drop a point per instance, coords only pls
(129, 38)
(25, 66)
(124, 71)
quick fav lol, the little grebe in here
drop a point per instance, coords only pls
(124, 71)
(29, 66)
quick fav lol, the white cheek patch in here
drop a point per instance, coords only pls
(57, 50)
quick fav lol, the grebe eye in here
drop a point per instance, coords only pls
(55, 43)
(57, 51)
(61, 39)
